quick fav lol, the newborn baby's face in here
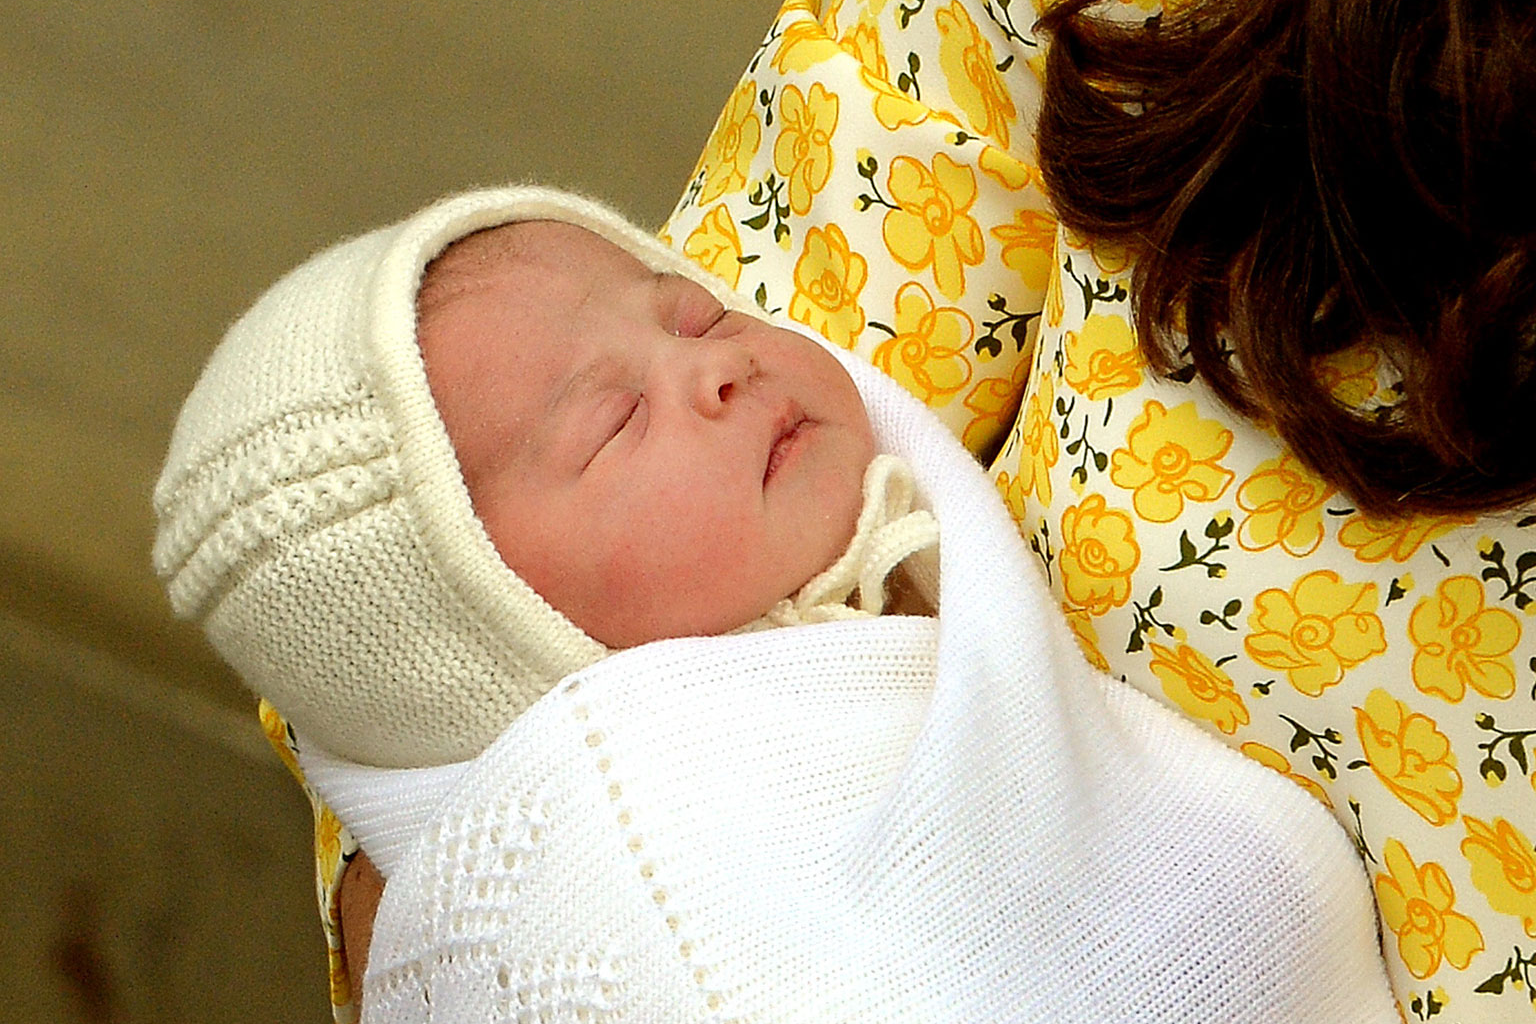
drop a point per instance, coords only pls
(650, 464)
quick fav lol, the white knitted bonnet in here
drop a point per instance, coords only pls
(313, 519)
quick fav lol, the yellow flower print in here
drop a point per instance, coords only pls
(1036, 63)
(1112, 258)
(1103, 360)
(994, 402)
(328, 844)
(1172, 455)
(892, 107)
(1098, 554)
(803, 45)
(1008, 170)
(341, 983)
(803, 151)
(1199, 686)
(1284, 502)
(829, 15)
(829, 276)
(1269, 757)
(1087, 637)
(932, 226)
(927, 353)
(1416, 905)
(1316, 632)
(1349, 375)
(1459, 643)
(1039, 447)
(729, 152)
(970, 69)
(1014, 494)
(1375, 540)
(1410, 755)
(276, 731)
(1029, 245)
(863, 42)
(715, 245)
(1055, 303)
(1503, 868)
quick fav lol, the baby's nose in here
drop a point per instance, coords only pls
(721, 368)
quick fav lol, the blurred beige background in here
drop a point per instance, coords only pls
(162, 163)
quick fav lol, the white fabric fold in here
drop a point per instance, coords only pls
(385, 809)
(885, 819)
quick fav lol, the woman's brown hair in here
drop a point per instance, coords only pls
(1301, 175)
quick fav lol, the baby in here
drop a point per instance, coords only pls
(441, 466)
(648, 461)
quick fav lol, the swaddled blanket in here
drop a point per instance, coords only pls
(893, 819)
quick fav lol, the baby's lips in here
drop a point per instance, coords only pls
(789, 427)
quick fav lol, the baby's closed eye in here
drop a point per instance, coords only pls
(620, 417)
(688, 309)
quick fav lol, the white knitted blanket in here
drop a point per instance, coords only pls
(895, 819)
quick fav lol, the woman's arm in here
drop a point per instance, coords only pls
(361, 889)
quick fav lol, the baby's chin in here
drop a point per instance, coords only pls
(620, 636)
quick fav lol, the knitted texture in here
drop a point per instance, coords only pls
(884, 819)
(313, 519)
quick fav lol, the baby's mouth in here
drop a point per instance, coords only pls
(791, 428)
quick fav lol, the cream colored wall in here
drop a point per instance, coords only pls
(162, 163)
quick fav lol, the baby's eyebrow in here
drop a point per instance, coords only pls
(583, 380)
(663, 284)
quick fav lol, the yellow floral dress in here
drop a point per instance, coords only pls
(334, 849)
(873, 177)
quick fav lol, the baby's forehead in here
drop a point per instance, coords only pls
(468, 262)
(546, 243)
(548, 252)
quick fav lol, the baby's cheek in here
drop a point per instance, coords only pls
(667, 585)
